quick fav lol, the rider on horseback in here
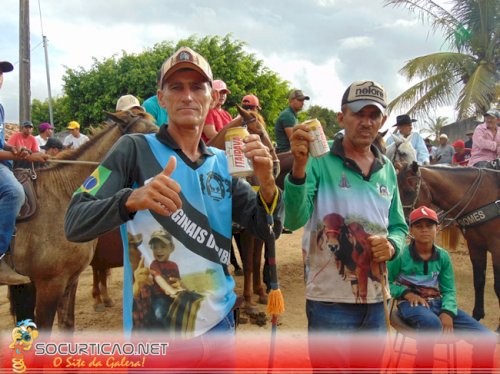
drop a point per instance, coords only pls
(11, 193)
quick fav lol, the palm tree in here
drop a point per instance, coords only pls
(434, 126)
(466, 77)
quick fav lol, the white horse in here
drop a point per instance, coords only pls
(401, 150)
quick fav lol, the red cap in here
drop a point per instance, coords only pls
(459, 143)
(220, 86)
(423, 213)
(251, 100)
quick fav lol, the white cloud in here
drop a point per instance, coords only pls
(356, 42)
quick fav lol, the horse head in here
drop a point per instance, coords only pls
(401, 150)
(255, 124)
(412, 190)
(135, 120)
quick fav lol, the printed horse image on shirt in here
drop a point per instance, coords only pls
(349, 246)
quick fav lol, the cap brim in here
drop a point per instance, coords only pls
(303, 98)
(6, 66)
(356, 106)
(184, 65)
(426, 218)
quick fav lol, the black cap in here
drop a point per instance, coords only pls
(6, 66)
(26, 124)
(404, 119)
(53, 143)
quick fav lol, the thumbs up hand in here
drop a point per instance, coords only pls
(160, 195)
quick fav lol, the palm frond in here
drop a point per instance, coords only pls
(432, 92)
(435, 63)
(478, 94)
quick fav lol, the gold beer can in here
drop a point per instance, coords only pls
(319, 145)
(238, 164)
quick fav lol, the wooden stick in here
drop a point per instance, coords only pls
(383, 271)
(77, 162)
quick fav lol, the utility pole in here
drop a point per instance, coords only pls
(24, 62)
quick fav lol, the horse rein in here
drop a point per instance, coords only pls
(474, 187)
(472, 190)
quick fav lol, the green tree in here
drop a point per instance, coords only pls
(468, 75)
(327, 117)
(60, 108)
(434, 125)
(91, 91)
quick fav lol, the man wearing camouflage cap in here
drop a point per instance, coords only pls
(173, 181)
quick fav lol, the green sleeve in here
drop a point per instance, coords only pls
(447, 284)
(393, 269)
(398, 229)
(299, 198)
(288, 119)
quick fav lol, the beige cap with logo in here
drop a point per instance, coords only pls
(185, 58)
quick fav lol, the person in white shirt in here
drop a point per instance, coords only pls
(404, 128)
(75, 139)
(45, 130)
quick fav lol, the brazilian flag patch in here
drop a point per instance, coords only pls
(94, 181)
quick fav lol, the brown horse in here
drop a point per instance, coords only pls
(41, 249)
(465, 195)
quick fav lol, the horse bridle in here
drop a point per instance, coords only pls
(135, 118)
(411, 206)
(472, 190)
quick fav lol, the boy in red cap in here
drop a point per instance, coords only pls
(462, 155)
(422, 281)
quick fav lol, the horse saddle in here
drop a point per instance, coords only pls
(26, 178)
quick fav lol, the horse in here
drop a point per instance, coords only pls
(401, 150)
(41, 250)
(471, 197)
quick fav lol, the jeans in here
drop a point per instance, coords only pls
(11, 201)
(427, 321)
(338, 332)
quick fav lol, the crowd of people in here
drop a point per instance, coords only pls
(177, 193)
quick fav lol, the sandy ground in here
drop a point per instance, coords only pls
(290, 271)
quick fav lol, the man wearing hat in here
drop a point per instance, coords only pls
(75, 139)
(250, 102)
(24, 138)
(172, 181)
(53, 147)
(217, 117)
(422, 281)
(11, 193)
(486, 140)
(356, 187)
(462, 155)
(45, 131)
(127, 102)
(444, 152)
(287, 119)
(404, 128)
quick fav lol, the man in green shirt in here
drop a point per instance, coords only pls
(287, 119)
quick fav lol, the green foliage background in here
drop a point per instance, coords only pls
(88, 93)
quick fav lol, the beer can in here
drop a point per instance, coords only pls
(239, 165)
(319, 145)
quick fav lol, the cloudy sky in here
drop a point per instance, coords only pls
(320, 46)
